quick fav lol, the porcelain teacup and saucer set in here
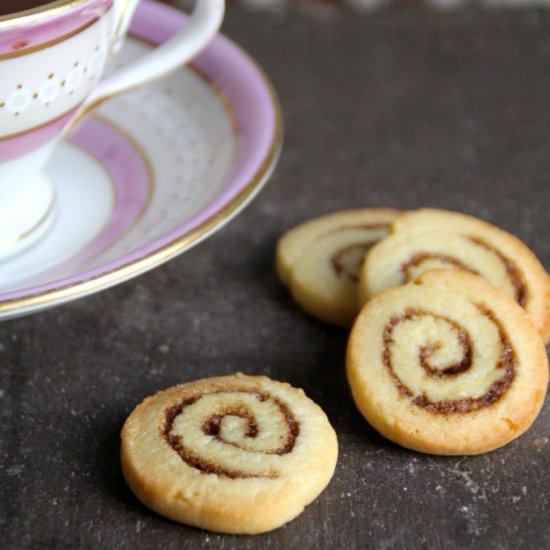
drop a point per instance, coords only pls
(115, 155)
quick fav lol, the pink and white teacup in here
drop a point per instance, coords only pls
(51, 61)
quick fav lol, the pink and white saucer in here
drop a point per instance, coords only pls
(150, 173)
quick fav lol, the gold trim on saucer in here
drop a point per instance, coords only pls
(12, 241)
(119, 274)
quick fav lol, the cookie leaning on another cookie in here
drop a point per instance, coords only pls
(427, 239)
(447, 364)
(320, 260)
(235, 454)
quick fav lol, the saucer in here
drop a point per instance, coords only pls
(151, 173)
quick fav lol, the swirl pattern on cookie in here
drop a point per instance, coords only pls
(235, 418)
(447, 364)
(433, 239)
(235, 454)
(320, 260)
(504, 365)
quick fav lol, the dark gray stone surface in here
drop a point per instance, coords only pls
(403, 109)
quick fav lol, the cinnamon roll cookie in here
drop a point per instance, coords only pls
(320, 260)
(427, 239)
(235, 454)
(447, 364)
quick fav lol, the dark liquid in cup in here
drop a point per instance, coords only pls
(8, 7)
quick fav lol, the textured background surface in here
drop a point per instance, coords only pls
(403, 109)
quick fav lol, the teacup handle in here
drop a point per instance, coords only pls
(202, 25)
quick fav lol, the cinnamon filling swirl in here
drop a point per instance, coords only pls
(347, 261)
(514, 274)
(417, 259)
(506, 363)
(212, 426)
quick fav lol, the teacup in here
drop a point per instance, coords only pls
(51, 61)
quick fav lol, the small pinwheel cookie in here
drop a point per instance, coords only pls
(430, 239)
(447, 364)
(235, 454)
(320, 260)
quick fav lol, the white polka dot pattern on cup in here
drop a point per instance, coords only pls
(19, 101)
(49, 90)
